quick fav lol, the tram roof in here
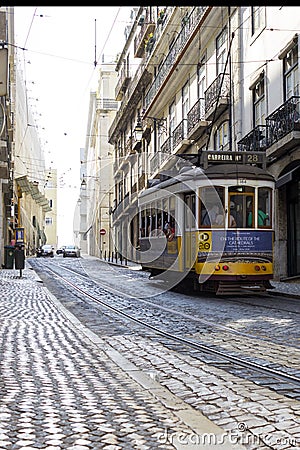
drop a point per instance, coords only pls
(215, 171)
(238, 171)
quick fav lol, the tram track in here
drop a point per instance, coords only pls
(262, 373)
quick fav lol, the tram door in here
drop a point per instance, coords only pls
(190, 226)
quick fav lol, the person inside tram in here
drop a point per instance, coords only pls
(210, 216)
(234, 217)
(262, 217)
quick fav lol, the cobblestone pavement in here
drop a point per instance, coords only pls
(291, 288)
(62, 387)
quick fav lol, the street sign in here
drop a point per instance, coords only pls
(103, 231)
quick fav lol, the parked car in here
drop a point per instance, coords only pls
(60, 250)
(45, 250)
(71, 250)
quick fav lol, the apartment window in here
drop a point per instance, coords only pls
(185, 105)
(290, 72)
(50, 203)
(257, 18)
(221, 51)
(185, 101)
(221, 136)
(48, 220)
(201, 79)
(172, 114)
(259, 102)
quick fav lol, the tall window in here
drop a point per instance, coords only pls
(259, 102)
(185, 105)
(172, 115)
(185, 100)
(257, 18)
(201, 85)
(221, 51)
(221, 137)
(201, 78)
(290, 72)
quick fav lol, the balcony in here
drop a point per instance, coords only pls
(123, 82)
(170, 61)
(118, 211)
(179, 137)
(141, 182)
(106, 104)
(155, 162)
(196, 123)
(217, 97)
(254, 141)
(283, 128)
(147, 25)
(166, 147)
(128, 146)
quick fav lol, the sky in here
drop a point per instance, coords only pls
(60, 49)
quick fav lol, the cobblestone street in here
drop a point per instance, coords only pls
(64, 388)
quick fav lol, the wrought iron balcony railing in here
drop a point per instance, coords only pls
(196, 114)
(283, 120)
(185, 33)
(180, 133)
(254, 141)
(217, 91)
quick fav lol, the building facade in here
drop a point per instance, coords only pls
(51, 214)
(22, 164)
(193, 79)
(93, 206)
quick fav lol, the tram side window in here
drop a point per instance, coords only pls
(172, 214)
(212, 206)
(143, 224)
(264, 207)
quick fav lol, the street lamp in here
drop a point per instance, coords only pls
(138, 130)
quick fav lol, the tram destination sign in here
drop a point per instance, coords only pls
(221, 157)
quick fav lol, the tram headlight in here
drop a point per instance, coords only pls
(217, 268)
(263, 268)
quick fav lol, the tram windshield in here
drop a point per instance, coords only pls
(235, 207)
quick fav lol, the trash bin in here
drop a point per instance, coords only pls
(20, 257)
(9, 256)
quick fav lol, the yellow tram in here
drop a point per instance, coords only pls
(211, 226)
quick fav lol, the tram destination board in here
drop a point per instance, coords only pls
(220, 157)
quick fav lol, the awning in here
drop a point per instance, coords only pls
(31, 187)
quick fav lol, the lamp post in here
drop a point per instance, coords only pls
(138, 130)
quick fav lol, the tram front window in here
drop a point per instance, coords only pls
(250, 208)
(239, 199)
